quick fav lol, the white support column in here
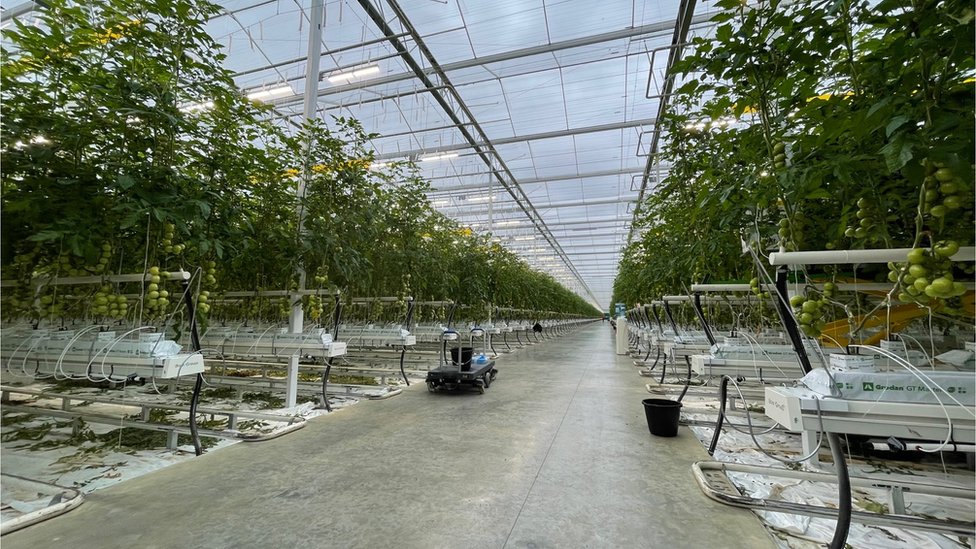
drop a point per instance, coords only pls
(296, 317)
(623, 343)
(809, 441)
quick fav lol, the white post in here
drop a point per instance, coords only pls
(296, 318)
(623, 343)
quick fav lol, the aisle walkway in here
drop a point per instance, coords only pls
(556, 454)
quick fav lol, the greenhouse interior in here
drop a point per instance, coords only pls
(488, 274)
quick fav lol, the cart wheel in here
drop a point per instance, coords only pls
(481, 390)
(494, 373)
(430, 387)
(487, 378)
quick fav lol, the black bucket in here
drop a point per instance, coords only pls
(662, 416)
(465, 357)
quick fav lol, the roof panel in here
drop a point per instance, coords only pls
(504, 25)
(569, 19)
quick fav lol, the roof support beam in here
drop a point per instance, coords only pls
(553, 206)
(481, 144)
(686, 18)
(524, 138)
(567, 177)
(622, 34)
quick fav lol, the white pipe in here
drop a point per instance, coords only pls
(927, 446)
(842, 286)
(70, 498)
(77, 280)
(828, 257)
(720, 287)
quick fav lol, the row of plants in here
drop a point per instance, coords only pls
(127, 148)
(817, 125)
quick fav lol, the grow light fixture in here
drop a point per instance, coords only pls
(439, 203)
(378, 165)
(483, 198)
(524, 238)
(349, 76)
(269, 93)
(439, 156)
(505, 223)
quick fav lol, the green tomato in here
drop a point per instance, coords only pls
(938, 211)
(942, 285)
(918, 271)
(946, 249)
(810, 307)
(944, 174)
(949, 187)
(952, 202)
(797, 300)
(917, 256)
(921, 283)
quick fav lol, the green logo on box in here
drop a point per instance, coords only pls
(867, 386)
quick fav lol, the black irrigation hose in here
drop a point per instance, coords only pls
(687, 381)
(657, 357)
(197, 447)
(843, 527)
(198, 386)
(403, 351)
(722, 395)
(336, 318)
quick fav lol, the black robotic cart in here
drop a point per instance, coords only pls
(455, 372)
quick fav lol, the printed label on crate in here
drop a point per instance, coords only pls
(853, 363)
(894, 386)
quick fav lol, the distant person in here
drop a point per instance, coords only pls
(613, 325)
(537, 328)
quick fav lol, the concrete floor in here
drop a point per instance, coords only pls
(556, 454)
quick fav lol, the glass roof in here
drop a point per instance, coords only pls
(562, 94)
